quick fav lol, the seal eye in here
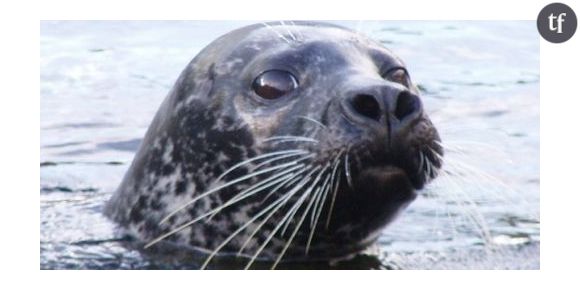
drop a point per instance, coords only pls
(273, 84)
(398, 75)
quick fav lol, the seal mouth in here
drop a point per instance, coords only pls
(386, 179)
(398, 159)
(388, 186)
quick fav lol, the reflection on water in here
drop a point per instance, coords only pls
(101, 83)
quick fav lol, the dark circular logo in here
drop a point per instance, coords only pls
(557, 22)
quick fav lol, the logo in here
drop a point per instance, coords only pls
(557, 22)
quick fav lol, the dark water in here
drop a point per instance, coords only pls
(101, 83)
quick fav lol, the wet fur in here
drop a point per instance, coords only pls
(211, 121)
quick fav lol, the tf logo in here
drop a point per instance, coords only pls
(557, 22)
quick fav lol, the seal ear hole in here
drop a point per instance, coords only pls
(367, 105)
(274, 84)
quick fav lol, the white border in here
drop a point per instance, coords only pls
(294, 9)
(20, 138)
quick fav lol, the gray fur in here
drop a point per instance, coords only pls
(211, 121)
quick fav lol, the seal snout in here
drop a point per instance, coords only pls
(389, 124)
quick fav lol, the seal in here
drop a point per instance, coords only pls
(280, 143)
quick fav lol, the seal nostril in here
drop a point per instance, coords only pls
(407, 104)
(367, 106)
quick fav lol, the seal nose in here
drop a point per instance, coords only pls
(401, 105)
(407, 105)
(366, 106)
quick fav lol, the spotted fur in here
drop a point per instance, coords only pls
(211, 121)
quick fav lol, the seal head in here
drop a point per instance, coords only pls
(281, 143)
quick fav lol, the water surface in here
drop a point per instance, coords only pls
(102, 82)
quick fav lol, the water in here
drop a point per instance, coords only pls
(102, 82)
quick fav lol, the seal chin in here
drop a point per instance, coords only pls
(386, 191)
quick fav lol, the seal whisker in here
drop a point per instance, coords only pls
(327, 186)
(291, 192)
(293, 235)
(290, 219)
(290, 139)
(295, 209)
(434, 152)
(288, 30)
(286, 153)
(318, 199)
(448, 213)
(473, 215)
(347, 170)
(272, 180)
(329, 183)
(276, 32)
(314, 183)
(280, 224)
(469, 207)
(428, 173)
(335, 189)
(235, 181)
(451, 144)
(248, 192)
(301, 221)
(295, 177)
(298, 32)
(286, 197)
(313, 121)
(315, 196)
(421, 160)
(284, 157)
(435, 170)
(272, 208)
(462, 167)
